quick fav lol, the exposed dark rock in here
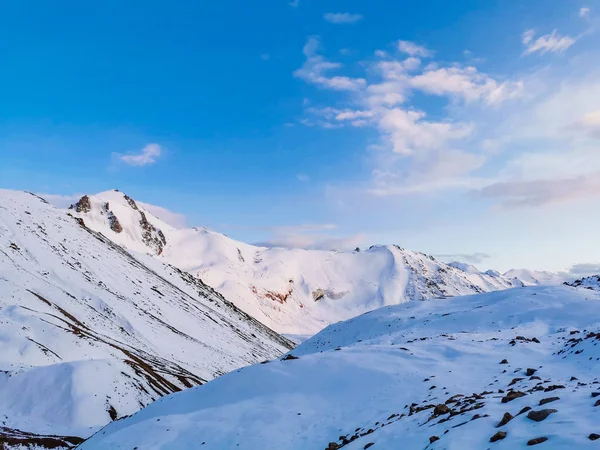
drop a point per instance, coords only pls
(115, 225)
(537, 441)
(554, 387)
(524, 410)
(498, 436)
(595, 394)
(505, 419)
(594, 437)
(289, 357)
(369, 445)
(530, 372)
(151, 236)
(548, 400)
(441, 409)
(83, 205)
(333, 446)
(597, 403)
(515, 380)
(432, 439)
(541, 414)
(512, 395)
(504, 361)
(131, 202)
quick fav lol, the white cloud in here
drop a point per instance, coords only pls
(552, 42)
(584, 12)
(176, 220)
(315, 69)
(413, 49)
(342, 18)
(61, 201)
(408, 132)
(589, 123)
(514, 194)
(467, 84)
(584, 269)
(471, 258)
(147, 156)
(302, 177)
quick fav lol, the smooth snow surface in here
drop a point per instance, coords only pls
(292, 291)
(88, 331)
(376, 379)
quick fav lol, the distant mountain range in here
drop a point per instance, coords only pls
(293, 291)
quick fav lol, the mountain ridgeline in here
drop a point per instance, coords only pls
(293, 291)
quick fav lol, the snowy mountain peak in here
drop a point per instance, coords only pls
(535, 277)
(122, 220)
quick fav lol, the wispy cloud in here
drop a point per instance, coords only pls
(342, 18)
(518, 194)
(552, 42)
(584, 12)
(294, 3)
(413, 49)
(176, 220)
(147, 156)
(471, 258)
(316, 68)
(302, 177)
(584, 269)
(61, 201)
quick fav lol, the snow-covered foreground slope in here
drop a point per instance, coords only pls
(89, 333)
(293, 291)
(424, 375)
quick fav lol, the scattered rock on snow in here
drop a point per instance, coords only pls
(537, 441)
(441, 409)
(505, 419)
(548, 400)
(498, 436)
(541, 414)
(512, 395)
(432, 439)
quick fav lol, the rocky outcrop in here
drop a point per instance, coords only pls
(83, 205)
(320, 294)
(131, 202)
(151, 236)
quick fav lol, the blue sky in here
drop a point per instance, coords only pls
(466, 129)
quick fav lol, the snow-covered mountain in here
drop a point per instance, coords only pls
(592, 283)
(534, 277)
(505, 370)
(91, 333)
(293, 291)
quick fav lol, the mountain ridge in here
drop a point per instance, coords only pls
(293, 291)
(91, 332)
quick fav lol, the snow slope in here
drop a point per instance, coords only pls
(423, 375)
(293, 291)
(89, 333)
